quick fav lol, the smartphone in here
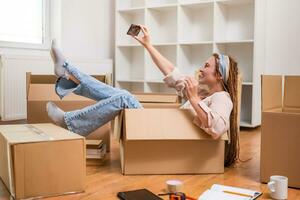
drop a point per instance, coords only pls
(142, 194)
(134, 30)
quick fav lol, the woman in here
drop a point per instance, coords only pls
(215, 114)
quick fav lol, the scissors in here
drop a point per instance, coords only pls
(177, 196)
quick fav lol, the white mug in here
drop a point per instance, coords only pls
(278, 187)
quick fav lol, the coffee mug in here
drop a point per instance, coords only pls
(278, 187)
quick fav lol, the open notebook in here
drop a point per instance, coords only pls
(229, 193)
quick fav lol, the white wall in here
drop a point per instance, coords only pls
(87, 28)
(282, 37)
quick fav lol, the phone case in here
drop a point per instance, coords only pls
(134, 30)
(142, 194)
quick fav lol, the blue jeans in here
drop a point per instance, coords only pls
(110, 101)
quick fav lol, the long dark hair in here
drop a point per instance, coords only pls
(232, 146)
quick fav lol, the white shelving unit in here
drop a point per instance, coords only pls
(187, 32)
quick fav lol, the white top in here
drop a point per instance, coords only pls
(218, 106)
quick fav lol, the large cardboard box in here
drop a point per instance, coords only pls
(41, 160)
(149, 100)
(40, 90)
(165, 141)
(280, 130)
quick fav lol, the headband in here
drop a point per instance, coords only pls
(224, 67)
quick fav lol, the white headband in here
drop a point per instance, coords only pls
(224, 67)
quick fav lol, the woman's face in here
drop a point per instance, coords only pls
(208, 73)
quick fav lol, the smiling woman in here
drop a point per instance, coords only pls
(23, 23)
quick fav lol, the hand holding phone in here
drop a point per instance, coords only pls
(134, 30)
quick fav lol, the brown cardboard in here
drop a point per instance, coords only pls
(41, 160)
(149, 100)
(280, 133)
(165, 141)
(156, 98)
(40, 90)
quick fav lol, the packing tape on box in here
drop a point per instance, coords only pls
(174, 186)
(39, 132)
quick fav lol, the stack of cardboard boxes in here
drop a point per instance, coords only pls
(280, 134)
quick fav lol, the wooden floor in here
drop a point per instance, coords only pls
(105, 181)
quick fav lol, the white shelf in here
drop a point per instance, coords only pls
(192, 2)
(247, 83)
(188, 32)
(131, 80)
(152, 72)
(129, 4)
(234, 20)
(131, 86)
(124, 20)
(154, 81)
(192, 56)
(130, 63)
(162, 23)
(235, 2)
(161, 3)
(196, 43)
(243, 54)
(158, 88)
(246, 104)
(196, 22)
(235, 41)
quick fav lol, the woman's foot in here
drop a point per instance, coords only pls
(59, 60)
(56, 114)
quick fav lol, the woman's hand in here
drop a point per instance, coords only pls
(191, 90)
(145, 39)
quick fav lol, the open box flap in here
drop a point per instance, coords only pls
(156, 98)
(271, 92)
(291, 99)
(46, 92)
(41, 79)
(162, 124)
(27, 133)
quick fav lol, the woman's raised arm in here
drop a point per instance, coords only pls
(164, 65)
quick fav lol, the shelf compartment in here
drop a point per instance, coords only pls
(130, 4)
(191, 2)
(246, 106)
(152, 71)
(131, 86)
(196, 22)
(192, 57)
(235, 2)
(162, 23)
(125, 19)
(234, 20)
(159, 88)
(130, 63)
(160, 3)
(243, 54)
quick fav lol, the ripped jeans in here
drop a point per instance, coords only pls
(110, 101)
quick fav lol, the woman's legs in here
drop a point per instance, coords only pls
(110, 100)
(72, 79)
(88, 86)
(88, 119)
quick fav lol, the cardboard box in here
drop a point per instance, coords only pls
(149, 100)
(280, 129)
(157, 98)
(40, 90)
(41, 160)
(165, 141)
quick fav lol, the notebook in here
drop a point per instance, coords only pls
(229, 193)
